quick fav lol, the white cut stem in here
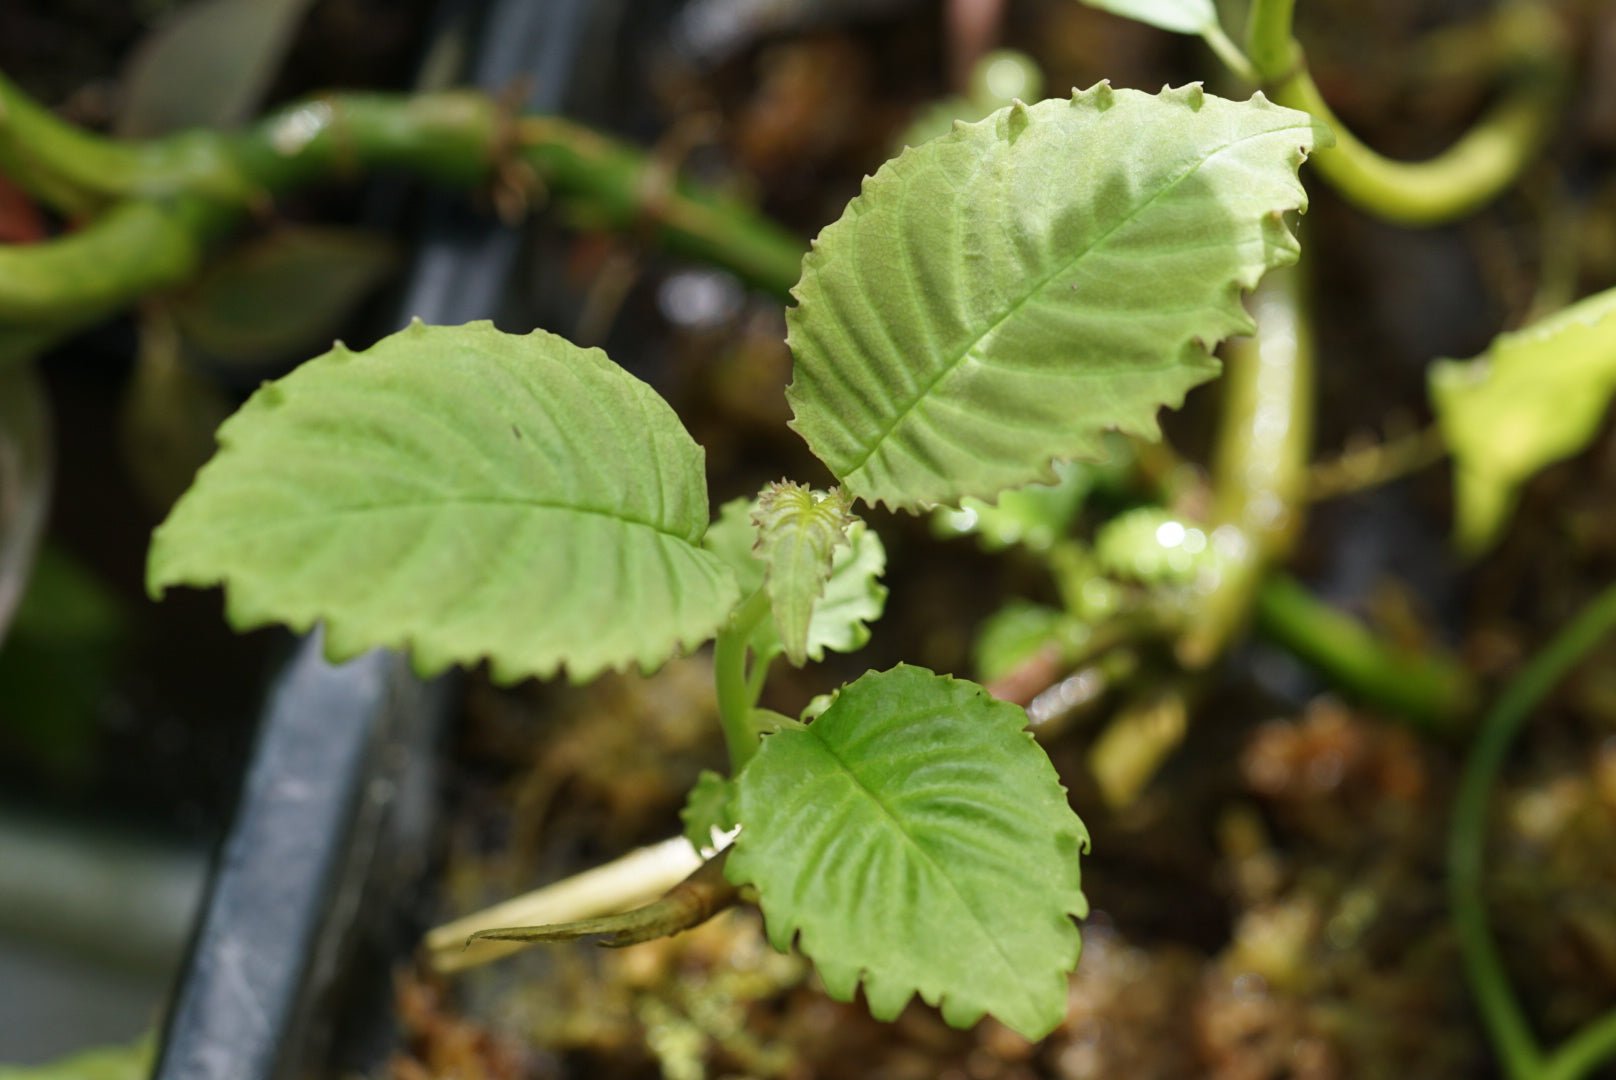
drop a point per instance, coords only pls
(635, 879)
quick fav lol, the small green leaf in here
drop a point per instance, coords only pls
(997, 298)
(1151, 546)
(916, 839)
(799, 530)
(853, 595)
(1537, 396)
(465, 493)
(283, 294)
(207, 66)
(709, 809)
(1179, 16)
(1018, 630)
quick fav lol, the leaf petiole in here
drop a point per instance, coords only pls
(738, 689)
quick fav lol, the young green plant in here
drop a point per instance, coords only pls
(993, 302)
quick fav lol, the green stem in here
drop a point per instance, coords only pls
(737, 696)
(1259, 467)
(170, 197)
(1584, 1052)
(1269, 43)
(1228, 52)
(1489, 982)
(614, 185)
(1471, 173)
(1432, 691)
(82, 276)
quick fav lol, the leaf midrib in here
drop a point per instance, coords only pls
(953, 364)
(290, 519)
(925, 855)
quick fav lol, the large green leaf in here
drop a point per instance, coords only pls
(1180, 16)
(465, 493)
(915, 838)
(998, 297)
(1535, 397)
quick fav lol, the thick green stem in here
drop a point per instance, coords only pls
(1506, 1023)
(737, 696)
(125, 253)
(1259, 467)
(161, 202)
(1471, 173)
(611, 184)
(1431, 690)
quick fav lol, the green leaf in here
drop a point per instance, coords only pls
(1151, 546)
(1535, 397)
(708, 809)
(1179, 16)
(465, 493)
(853, 596)
(283, 294)
(998, 297)
(1018, 630)
(208, 66)
(916, 839)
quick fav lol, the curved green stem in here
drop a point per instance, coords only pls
(737, 696)
(1228, 52)
(1269, 43)
(130, 250)
(1259, 467)
(1471, 173)
(1431, 690)
(1487, 159)
(161, 202)
(1489, 982)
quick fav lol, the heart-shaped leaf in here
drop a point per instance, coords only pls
(465, 493)
(997, 298)
(914, 838)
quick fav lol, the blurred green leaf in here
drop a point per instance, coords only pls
(1179, 16)
(208, 66)
(1015, 632)
(285, 294)
(1537, 396)
(56, 666)
(1151, 546)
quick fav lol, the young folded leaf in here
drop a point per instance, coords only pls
(799, 532)
(1535, 397)
(853, 595)
(463, 493)
(998, 297)
(915, 838)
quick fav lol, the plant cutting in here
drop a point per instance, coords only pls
(991, 303)
(998, 308)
